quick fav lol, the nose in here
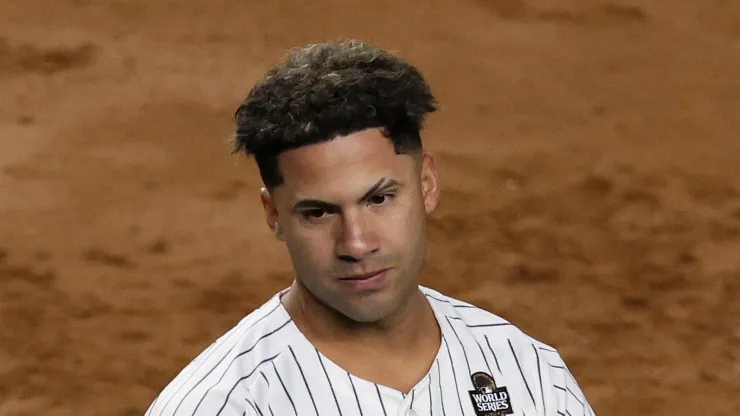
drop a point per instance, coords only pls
(357, 238)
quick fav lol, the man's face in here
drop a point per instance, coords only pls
(352, 213)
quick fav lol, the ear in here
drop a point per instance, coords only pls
(271, 213)
(429, 182)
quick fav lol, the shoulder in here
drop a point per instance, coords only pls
(488, 327)
(546, 377)
(467, 314)
(211, 382)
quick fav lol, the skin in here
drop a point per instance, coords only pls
(347, 207)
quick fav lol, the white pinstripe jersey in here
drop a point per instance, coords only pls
(265, 366)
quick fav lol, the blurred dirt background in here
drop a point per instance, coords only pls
(589, 152)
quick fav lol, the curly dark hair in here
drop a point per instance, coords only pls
(321, 91)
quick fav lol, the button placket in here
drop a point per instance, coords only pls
(411, 399)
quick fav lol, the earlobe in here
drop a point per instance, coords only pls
(429, 183)
(271, 213)
(278, 231)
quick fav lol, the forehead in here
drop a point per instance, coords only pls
(343, 166)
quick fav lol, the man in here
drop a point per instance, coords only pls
(335, 131)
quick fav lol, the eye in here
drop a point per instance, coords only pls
(380, 198)
(314, 213)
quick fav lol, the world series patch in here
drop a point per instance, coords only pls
(489, 400)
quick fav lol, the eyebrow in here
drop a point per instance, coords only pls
(382, 183)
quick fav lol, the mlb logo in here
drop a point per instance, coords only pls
(486, 390)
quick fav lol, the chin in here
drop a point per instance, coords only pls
(366, 318)
(369, 311)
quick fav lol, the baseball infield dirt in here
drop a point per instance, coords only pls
(589, 152)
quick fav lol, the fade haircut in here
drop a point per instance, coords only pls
(321, 91)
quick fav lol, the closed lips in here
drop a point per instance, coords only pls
(364, 276)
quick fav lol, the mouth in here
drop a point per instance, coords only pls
(367, 281)
(364, 276)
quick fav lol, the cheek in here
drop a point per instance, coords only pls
(309, 250)
(406, 225)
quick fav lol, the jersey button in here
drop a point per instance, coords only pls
(411, 412)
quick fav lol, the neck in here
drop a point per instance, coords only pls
(405, 326)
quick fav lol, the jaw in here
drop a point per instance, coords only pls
(370, 310)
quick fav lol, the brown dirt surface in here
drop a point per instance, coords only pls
(589, 153)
